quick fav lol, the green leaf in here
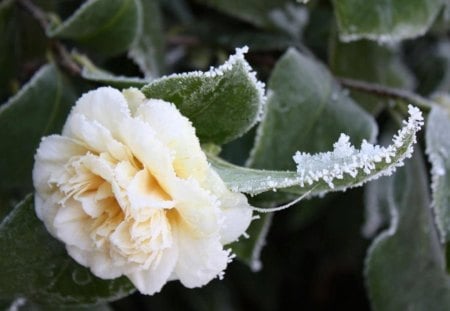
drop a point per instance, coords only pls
(438, 150)
(263, 13)
(39, 109)
(376, 208)
(385, 20)
(222, 103)
(147, 50)
(93, 73)
(404, 265)
(368, 61)
(37, 266)
(104, 26)
(217, 30)
(306, 111)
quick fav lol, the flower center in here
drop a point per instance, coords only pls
(127, 211)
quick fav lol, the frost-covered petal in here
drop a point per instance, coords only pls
(145, 194)
(197, 207)
(98, 261)
(70, 226)
(105, 105)
(145, 146)
(200, 260)
(95, 136)
(151, 280)
(46, 207)
(235, 211)
(53, 153)
(177, 133)
(236, 216)
(134, 98)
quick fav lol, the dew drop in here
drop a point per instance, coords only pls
(81, 277)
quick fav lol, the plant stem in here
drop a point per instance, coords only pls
(384, 91)
(62, 55)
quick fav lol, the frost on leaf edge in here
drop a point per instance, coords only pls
(346, 159)
(325, 172)
(235, 59)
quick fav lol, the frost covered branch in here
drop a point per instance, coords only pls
(384, 91)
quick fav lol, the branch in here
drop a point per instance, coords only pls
(388, 92)
(62, 55)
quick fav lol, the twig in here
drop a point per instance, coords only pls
(384, 91)
(37, 13)
(62, 55)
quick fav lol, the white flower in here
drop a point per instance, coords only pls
(128, 190)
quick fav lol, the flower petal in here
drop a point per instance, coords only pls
(71, 225)
(198, 208)
(200, 260)
(235, 211)
(145, 194)
(151, 280)
(98, 261)
(105, 105)
(177, 133)
(50, 159)
(95, 136)
(146, 147)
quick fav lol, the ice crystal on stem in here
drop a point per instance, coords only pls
(346, 159)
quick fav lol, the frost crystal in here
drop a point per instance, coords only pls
(346, 159)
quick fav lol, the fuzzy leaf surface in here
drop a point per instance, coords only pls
(405, 267)
(385, 20)
(37, 266)
(40, 108)
(107, 27)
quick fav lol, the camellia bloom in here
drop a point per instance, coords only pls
(129, 191)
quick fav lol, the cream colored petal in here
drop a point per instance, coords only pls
(200, 260)
(236, 217)
(177, 133)
(52, 155)
(151, 281)
(124, 173)
(134, 98)
(235, 210)
(146, 147)
(104, 191)
(105, 170)
(95, 136)
(105, 105)
(145, 194)
(98, 261)
(154, 234)
(90, 204)
(46, 209)
(121, 239)
(197, 207)
(71, 226)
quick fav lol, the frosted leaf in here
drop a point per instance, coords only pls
(344, 167)
(438, 151)
(345, 159)
(389, 21)
(233, 61)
